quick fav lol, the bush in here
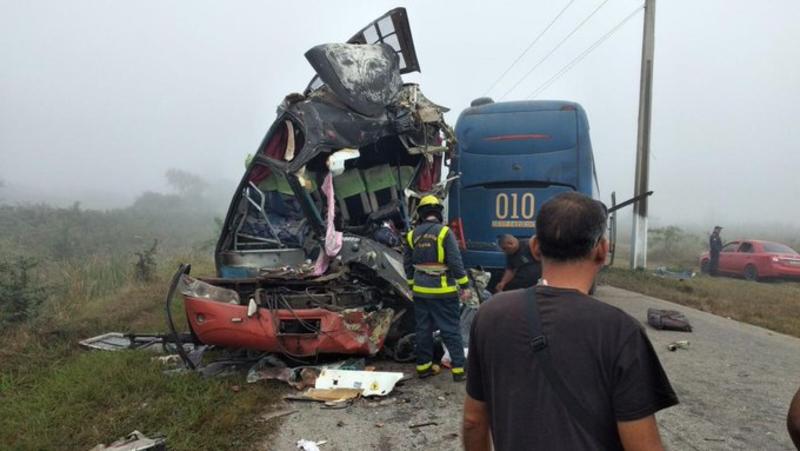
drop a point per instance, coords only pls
(675, 246)
(20, 293)
(145, 268)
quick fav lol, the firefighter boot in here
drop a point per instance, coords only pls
(427, 370)
(459, 375)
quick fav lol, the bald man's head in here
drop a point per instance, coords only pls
(509, 244)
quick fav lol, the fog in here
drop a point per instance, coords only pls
(98, 99)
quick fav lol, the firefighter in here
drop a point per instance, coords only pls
(435, 273)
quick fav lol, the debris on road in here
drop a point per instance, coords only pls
(277, 414)
(331, 394)
(680, 344)
(370, 383)
(668, 320)
(662, 271)
(117, 341)
(308, 445)
(420, 425)
(135, 441)
(300, 377)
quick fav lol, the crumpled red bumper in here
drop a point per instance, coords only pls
(352, 331)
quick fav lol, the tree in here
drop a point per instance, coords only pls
(186, 183)
(668, 238)
(20, 294)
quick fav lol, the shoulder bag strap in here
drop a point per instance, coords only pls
(541, 352)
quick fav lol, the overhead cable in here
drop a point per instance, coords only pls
(574, 30)
(528, 48)
(584, 54)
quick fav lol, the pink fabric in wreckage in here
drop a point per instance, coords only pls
(333, 239)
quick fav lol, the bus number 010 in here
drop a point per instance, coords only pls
(514, 207)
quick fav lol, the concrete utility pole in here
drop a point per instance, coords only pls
(639, 239)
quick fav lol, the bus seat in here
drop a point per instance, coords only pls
(351, 193)
(406, 173)
(269, 183)
(381, 182)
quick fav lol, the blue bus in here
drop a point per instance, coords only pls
(512, 157)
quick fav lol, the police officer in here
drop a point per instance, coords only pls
(714, 247)
(435, 273)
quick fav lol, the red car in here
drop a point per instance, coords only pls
(756, 259)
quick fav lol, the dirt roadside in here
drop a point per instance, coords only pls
(734, 382)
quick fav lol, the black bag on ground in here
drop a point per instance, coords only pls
(668, 320)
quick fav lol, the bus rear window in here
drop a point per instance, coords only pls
(518, 132)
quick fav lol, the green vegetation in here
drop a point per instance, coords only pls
(675, 246)
(70, 273)
(96, 397)
(774, 305)
(20, 294)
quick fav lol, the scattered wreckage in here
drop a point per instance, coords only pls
(309, 259)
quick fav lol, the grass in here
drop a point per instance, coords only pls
(55, 395)
(773, 305)
(96, 397)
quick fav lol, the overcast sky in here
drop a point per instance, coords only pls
(99, 98)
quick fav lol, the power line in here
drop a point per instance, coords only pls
(584, 54)
(527, 48)
(554, 49)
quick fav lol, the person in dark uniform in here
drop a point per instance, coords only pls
(522, 270)
(435, 272)
(714, 247)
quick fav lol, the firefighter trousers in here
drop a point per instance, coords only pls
(443, 313)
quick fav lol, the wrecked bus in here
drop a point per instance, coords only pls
(511, 158)
(309, 261)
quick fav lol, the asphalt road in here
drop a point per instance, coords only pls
(734, 383)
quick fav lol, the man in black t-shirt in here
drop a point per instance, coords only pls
(793, 419)
(600, 355)
(522, 270)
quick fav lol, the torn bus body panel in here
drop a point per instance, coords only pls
(281, 326)
(312, 239)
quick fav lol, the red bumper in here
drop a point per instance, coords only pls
(300, 332)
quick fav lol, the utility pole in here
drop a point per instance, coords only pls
(639, 239)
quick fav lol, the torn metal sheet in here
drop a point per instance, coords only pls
(117, 341)
(371, 383)
(135, 441)
(364, 76)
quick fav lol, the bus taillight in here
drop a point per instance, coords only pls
(458, 229)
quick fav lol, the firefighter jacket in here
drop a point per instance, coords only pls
(432, 261)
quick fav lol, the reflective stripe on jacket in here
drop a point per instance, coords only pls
(431, 245)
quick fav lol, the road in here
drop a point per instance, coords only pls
(734, 383)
